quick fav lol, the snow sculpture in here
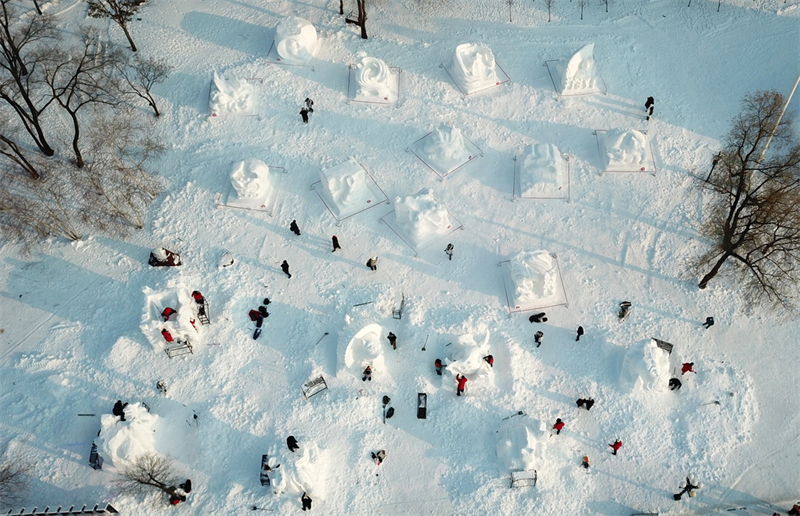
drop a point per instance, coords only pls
(580, 73)
(445, 148)
(645, 367)
(179, 324)
(346, 186)
(295, 40)
(420, 216)
(535, 276)
(365, 349)
(465, 356)
(373, 77)
(542, 170)
(123, 441)
(523, 446)
(301, 471)
(231, 96)
(473, 67)
(626, 149)
(250, 179)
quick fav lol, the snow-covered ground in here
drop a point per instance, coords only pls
(71, 313)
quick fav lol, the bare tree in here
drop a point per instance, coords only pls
(582, 4)
(549, 4)
(606, 4)
(19, 80)
(11, 150)
(754, 214)
(149, 473)
(142, 74)
(80, 78)
(120, 12)
(14, 477)
(510, 4)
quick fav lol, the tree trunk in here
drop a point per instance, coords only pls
(18, 157)
(38, 9)
(341, 7)
(362, 17)
(30, 119)
(128, 35)
(76, 126)
(713, 272)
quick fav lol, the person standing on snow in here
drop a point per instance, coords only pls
(309, 105)
(367, 374)
(616, 446)
(585, 403)
(336, 245)
(372, 263)
(585, 463)
(167, 313)
(438, 365)
(306, 501)
(285, 268)
(304, 114)
(379, 457)
(294, 228)
(709, 322)
(537, 338)
(558, 426)
(291, 443)
(462, 383)
(687, 368)
(649, 104)
(392, 340)
(580, 333)
(449, 251)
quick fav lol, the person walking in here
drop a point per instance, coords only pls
(462, 383)
(294, 228)
(309, 105)
(616, 446)
(558, 426)
(580, 333)
(285, 268)
(438, 365)
(291, 443)
(709, 322)
(449, 251)
(649, 104)
(585, 463)
(304, 114)
(306, 501)
(372, 263)
(392, 340)
(336, 245)
(537, 338)
(538, 318)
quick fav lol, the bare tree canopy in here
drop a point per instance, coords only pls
(120, 12)
(149, 473)
(754, 213)
(14, 477)
(142, 74)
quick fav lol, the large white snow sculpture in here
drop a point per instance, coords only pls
(535, 276)
(473, 67)
(301, 471)
(365, 349)
(250, 179)
(179, 325)
(373, 78)
(346, 187)
(231, 96)
(523, 446)
(295, 40)
(645, 367)
(543, 172)
(421, 216)
(123, 441)
(465, 356)
(626, 149)
(445, 148)
(580, 74)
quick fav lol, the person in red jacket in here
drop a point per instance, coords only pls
(438, 365)
(687, 368)
(558, 426)
(616, 446)
(167, 335)
(489, 360)
(462, 382)
(167, 313)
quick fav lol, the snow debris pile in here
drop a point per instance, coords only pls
(365, 349)
(301, 471)
(231, 96)
(473, 67)
(250, 180)
(580, 75)
(295, 40)
(626, 149)
(374, 78)
(122, 442)
(445, 148)
(346, 188)
(172, 310)
(522, 446)
(535, 277)
(543, 172)
(421, 216)
(645, 367)
(465, 356)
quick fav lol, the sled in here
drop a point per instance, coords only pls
(314, 387)
(184, 347)
(422, 405)
(397, 313)
(524, 478)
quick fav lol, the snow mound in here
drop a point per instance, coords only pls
(180, 324)
(626, 149)
(301, 471)
(373, 77)
(122, 442)
(421, 216)
(295, 40)
(580, 75)
(250, 180)
(645, 367)
(231, 96)
(445, 148)
(522, 446)
(346, 187)
(542, 171)
(365, 349)
(535, 276)
(473, 67)
(465, 356)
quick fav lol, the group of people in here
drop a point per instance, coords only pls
(168, 312)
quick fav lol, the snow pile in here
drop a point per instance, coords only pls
(535, 276)
(231, 96)
(295, 40)
(580, 74)
(542, 171)
(645, 367)
(473, 67)
(250, 180)
(180, 325)
(626, 149)
(465, 355)
(445, 148)
(301, 472)
(122, 442)
(365, 349)
(522, 446)
(346, 187)
(421, 216)
(374, 78)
